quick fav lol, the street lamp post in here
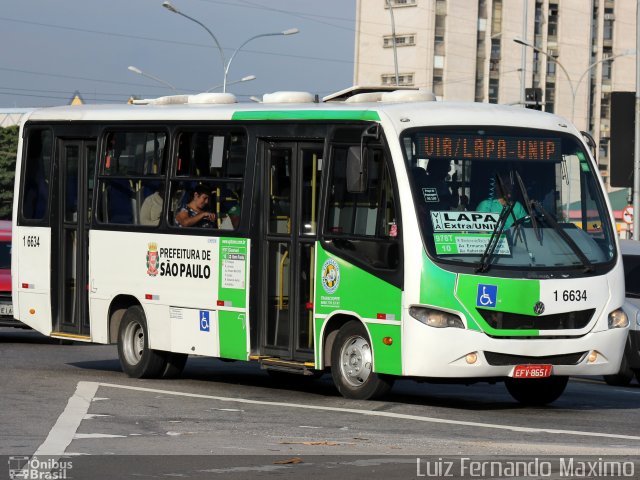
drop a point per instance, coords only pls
(136, 70)
(171, 8)
(226, 64)
(290, 31)
(248, 78)
(574, 88)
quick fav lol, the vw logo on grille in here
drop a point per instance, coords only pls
(539, 308)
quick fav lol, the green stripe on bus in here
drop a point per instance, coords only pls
(367, 115)
(233, 335)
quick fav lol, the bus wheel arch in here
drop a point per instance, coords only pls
(352, 363)
(117, 309)
(330, 333)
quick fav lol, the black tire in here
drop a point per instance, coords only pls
(351, 365)
(175, 364)
(623, 377)
(637, 375)
(136, 358)
(536, 391)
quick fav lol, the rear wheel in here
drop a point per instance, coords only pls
(136, 358)
(352, 364)
(536, 391)
(623, 377)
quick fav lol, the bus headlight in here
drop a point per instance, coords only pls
(435, 318)
(618, 319)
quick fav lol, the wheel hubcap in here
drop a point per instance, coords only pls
(133, 343)
(355, 361)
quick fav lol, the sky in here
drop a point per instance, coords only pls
(50, 49)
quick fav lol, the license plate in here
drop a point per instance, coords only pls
(6, 310)
(532, 371)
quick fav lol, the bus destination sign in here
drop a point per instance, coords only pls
(459, 147)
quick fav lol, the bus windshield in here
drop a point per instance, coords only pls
(508, 199)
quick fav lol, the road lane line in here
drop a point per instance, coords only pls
(62, 433)
(402, 416)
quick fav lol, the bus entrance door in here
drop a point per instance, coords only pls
(70, 240)
(291, 189)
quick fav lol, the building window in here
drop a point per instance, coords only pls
(552, 28)
(403, 79)
(493, 90)
(401, 41)
(550, 97)
(551, 68)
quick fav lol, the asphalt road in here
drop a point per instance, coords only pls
(71, 403)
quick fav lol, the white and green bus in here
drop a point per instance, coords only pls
(378, 235)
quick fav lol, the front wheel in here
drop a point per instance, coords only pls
(352, 364)
(536, 391)
(136, 358)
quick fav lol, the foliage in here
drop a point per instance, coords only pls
(8, 153)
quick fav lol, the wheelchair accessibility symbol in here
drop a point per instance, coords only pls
(205, 326)
(487, 295)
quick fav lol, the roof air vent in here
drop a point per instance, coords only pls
(288, 97)
(215, 98)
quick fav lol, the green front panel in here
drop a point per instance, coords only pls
(233, 270)
(438, 288)
(343, 286)
(233, 335)
(365, 115)
(513, 296)
(386, 358)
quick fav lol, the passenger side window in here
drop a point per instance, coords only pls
(131, 187)
(363, 225)
(37, 171)
(207, 181)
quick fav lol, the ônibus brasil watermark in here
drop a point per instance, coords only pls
(34, 468)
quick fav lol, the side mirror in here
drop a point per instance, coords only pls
(356, 170)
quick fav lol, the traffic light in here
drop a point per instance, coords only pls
(533, 98)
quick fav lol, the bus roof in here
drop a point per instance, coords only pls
(402, 114)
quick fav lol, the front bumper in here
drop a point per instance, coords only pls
(441, 353)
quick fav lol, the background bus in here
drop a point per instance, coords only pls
(385, 239)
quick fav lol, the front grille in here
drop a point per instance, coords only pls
(502, 359)
(556, 321)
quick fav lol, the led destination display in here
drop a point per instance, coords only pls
(488, 147)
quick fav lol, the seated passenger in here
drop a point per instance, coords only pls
(151, 209)
(496, 202)
(193, 214)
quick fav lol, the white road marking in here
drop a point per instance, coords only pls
(79, 436)
(62, 433)
(372, 413)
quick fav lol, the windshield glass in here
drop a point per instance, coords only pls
(462, 180)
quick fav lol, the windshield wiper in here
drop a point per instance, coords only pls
(528, 205)
(588, 266)
(485, 259)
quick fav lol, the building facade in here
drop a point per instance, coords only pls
(577, 52)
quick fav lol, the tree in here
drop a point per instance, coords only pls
(8, 153)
